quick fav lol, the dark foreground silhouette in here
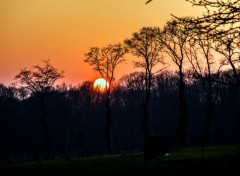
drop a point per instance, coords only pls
(157, 146)
(219, 160)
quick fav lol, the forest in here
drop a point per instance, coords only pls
(198, 104)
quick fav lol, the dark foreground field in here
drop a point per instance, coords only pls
(219, 160)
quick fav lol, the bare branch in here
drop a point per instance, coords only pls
(148, 1)
(105, 60)
(39, 79)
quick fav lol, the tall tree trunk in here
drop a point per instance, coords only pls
(46, 132)
(207, 126)
(145, 129)
(145, 112)
(108, 126)
(67, 133)
(146, 132)
(181, 131)
(238, 126)
(145, 120)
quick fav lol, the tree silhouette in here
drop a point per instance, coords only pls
(228, 47)
(132, 85)
(104, 61)
(174, 37)
(199, 53)
(83, 107)
(221, 16)
(145, 46)
(39, 81)
(221, 23)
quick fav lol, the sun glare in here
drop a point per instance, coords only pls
(100, 84)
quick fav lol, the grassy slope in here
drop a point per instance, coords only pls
(219, 159)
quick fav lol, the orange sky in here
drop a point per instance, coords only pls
(63, 30)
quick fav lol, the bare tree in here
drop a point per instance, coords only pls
(200, 54)
(222, 16)
(133, 85)
(174, 37)
(228, 47)
(133, 81)
(221, 22)
(145, 46)
(39, 81)
(104, 61)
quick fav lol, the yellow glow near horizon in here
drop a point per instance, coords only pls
(63, 30)
(100, 84)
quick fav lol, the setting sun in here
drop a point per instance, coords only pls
(100, 84)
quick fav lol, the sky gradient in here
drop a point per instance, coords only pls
(63, 30)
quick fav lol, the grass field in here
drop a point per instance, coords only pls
(218, 160)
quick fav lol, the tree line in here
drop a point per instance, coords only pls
(197, 104)
(76, 117)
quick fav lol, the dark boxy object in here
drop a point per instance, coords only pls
(156, 146)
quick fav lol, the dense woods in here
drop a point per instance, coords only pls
(76, 117)
(198, 104)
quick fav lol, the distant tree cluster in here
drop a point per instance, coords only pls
(76, 119)
(210, 43)
(198, 104)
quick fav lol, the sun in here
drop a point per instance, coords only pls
(100, 84)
